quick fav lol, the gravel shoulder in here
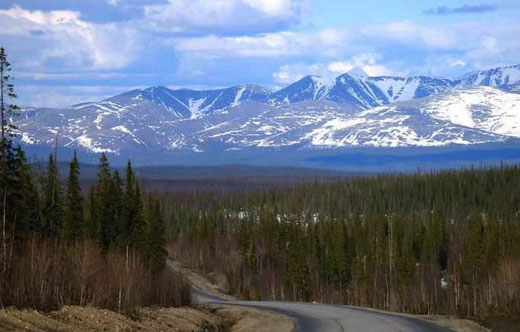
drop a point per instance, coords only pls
(253, 320)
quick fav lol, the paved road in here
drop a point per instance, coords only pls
(330, 318)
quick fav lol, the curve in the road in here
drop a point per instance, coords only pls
(331, 318)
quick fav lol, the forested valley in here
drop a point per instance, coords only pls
(425, 243)
(432, 243)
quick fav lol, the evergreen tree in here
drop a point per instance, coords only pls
(155, 252)
(105, 212)
(117, 208)
(92, 229)
(9, 174)
(52, 204)
(7, 93)
(73, 216)
(131, 218)
(29, 200)
(138, 235)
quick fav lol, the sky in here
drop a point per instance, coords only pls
(70, 51)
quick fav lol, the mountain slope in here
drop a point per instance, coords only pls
(495, 77)
(482, 108)
(361, 91)
(182, 103)
(311, 114)
(472, 115)
(308, 88)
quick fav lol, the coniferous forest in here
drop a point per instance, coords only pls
(427, 243)
(61, 247)
(436, 243)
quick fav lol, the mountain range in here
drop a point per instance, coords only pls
(312, 114)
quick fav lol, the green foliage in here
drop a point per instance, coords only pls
(28, 206)
(46, 254)
(52, 214)
(73, 216)
(422, 243)
(154, 251)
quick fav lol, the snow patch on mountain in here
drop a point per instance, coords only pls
(313, 113)
(483, 108)
(495, 77)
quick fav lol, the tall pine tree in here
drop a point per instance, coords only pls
(155, 252)
(131, 209)
(105, 213)
(52, 203)
(29, 201)
(73, 216)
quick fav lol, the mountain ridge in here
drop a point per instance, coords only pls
(312, 114)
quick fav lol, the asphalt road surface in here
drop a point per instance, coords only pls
(311, 317)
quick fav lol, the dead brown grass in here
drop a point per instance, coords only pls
(88, 319)
(45, 275)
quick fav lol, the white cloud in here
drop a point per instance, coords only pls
(61, 34)
(285, 43)
(234, 17)
(458, 63)
(368, 62)
(63, 96)
(276, 7)
(113, 2)
(288, 74)
(364, 61)
(410, 33)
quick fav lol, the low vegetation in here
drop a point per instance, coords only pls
(436, 243)
(59, 248)
(56, 248)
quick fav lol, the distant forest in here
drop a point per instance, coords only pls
(434, 243)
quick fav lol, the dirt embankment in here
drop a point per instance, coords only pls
(212, 318)
(86, 319)
(235, 319)
(214, 284)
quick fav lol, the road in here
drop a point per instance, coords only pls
(311, 317)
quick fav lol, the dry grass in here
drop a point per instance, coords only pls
(45, 275)
(87, 319)
(248, 320)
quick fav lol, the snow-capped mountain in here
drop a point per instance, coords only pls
(312, 114)
(482, 108)
(496, 77)
(361, 91)
(308, 88)
(182, 103)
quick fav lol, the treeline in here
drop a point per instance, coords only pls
(60, 248)
(439, 243)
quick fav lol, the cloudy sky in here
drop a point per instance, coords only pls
(69, 51)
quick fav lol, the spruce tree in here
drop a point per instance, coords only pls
(131, 209)
(155, 252)
(52, 204)
(73, 217)
(117, 211)
(92, 229)
(29, 200)
(9, 174)
(104, 215)
(7, 93)
(138, 236)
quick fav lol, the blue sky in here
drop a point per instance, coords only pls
(69, 51)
